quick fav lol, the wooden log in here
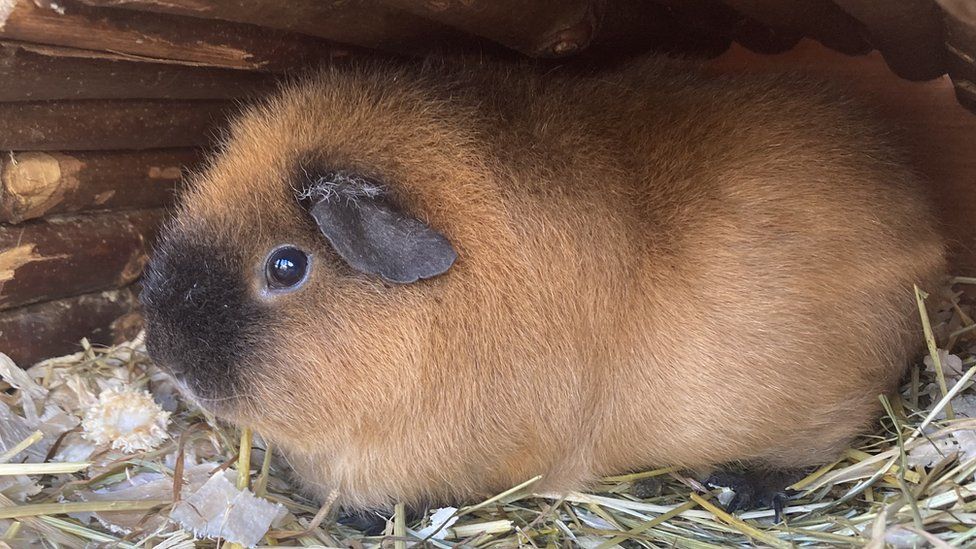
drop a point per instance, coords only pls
(108, 125)
(762, 38)
(631, 27)
(544, 28)
(908, 33)
(960, 42)
(162, 38)
(821, 20)
(369, 24)
(706, 20)
(36, 184)
(37, 73)
(54, 328)
(61, 257)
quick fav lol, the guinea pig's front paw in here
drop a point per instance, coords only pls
(756, 488)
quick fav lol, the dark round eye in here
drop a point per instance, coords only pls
(286, 268)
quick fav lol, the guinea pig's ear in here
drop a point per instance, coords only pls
(371, 234)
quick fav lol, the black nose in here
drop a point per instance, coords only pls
(201, 322)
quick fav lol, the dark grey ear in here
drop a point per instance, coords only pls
(373, 236)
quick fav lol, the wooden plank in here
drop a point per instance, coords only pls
(631, 27)
(54, 328)
(108, 125)
(36, 73)
(960, 41)
(544, 28)
(35, 184)
(162, 38)
(702, 22)
(61, 257)
(762, 38)
(366, 23)
(938, 133)
(821, 20)
(908, 33)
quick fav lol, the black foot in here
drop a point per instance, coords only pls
(756, 489)
(370, 523)
(373, 523)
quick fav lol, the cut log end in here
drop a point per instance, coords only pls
(32, 184)
(38, 184)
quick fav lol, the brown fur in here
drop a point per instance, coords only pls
(655, 267)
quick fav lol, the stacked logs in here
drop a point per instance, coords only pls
(101, 114)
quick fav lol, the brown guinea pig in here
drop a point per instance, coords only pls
(430, 282)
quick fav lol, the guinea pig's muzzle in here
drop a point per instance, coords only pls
(201, 325)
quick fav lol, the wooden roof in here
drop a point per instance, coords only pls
(919, 39)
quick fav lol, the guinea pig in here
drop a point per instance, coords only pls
(426, 282)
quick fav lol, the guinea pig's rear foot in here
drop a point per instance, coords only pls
(370, 523)
(756, 488)
(373, 522)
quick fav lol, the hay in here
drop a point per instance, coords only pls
(910, 483)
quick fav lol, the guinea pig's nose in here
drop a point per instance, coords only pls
(158, 339)
(202, 323)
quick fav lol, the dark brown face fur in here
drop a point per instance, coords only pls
(652, 267)
(204, 322)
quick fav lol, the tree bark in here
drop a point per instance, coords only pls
(38, 73)
(960, 41)
(57, 258)
(821, 20)
(37, 184)
(365, 23)
(54, 328)
(547, 28)
(107, 125)
(163, 38)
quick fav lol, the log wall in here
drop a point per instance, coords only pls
(101, 114)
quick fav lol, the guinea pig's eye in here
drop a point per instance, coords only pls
(286, 268)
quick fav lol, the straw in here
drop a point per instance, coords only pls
(910, 480)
